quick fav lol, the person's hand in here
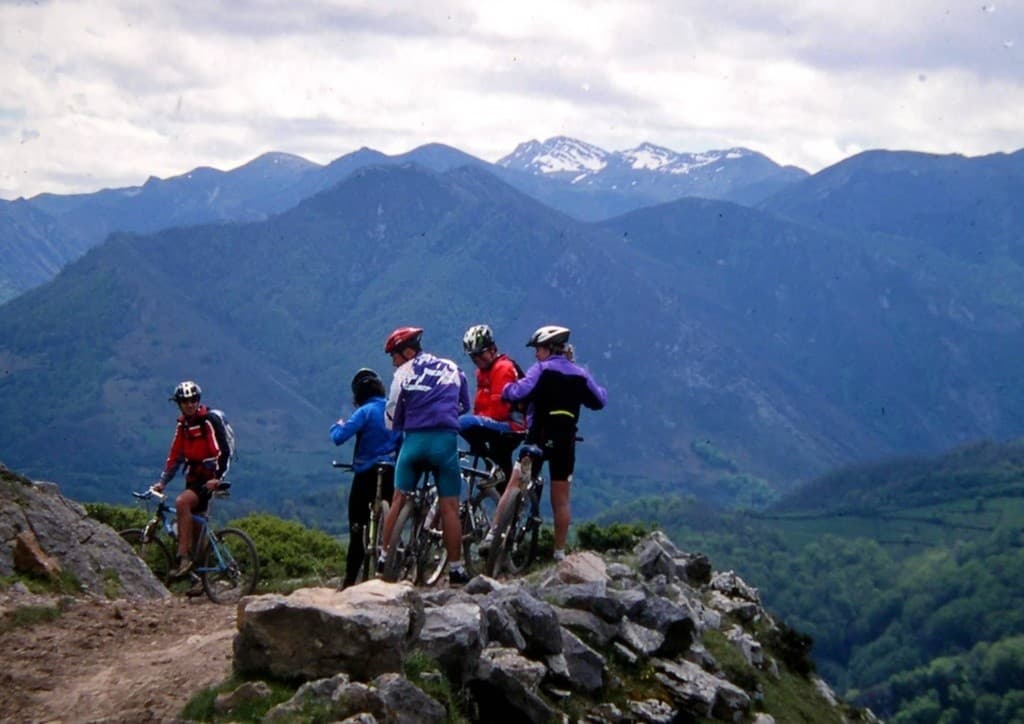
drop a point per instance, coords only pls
(212, 483)
(340, 422)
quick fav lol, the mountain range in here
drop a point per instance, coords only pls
(39, 235)
(871, 309)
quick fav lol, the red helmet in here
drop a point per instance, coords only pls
(401, 338)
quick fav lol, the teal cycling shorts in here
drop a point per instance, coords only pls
(424, 449)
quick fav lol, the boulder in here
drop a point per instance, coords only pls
(363, 631)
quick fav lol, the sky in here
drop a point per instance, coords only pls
(108, 93)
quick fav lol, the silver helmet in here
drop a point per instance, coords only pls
(550, 335)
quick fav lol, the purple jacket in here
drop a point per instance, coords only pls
(556, 386)
(427, 393)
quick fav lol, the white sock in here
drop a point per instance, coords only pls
(559, 554)
(456, 566)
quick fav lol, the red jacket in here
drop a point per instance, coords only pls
(489, 384)
(195, 445)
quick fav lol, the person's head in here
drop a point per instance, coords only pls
(187, 395)
(478, 342)
(366, 385)
(403, 344)
(548, 340)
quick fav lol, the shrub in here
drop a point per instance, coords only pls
(617, 536)
(289, 550)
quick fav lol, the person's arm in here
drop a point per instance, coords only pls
(598, 396)
(503, 375)
(464, 404)
(521, 389)
(220, 455)
(342, 430)
(175, 457)
(392, 403)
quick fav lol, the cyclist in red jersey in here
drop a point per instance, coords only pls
(486, 429)
(196, 447)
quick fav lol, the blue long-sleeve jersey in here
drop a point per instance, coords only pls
(374, 441)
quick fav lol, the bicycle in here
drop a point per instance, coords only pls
(517, 529)
(224, 561)
(416, 538)
(374, 530)
(476, 509)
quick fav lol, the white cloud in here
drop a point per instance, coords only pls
(107, 93)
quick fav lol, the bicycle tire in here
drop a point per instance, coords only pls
(236, 569)
(523, 549)
(400, 559)
(433, 555)
(475, 526)
(372, 539)
(504, 532)
(153, 552)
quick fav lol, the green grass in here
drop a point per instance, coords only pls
(201, 706)
(27, 616)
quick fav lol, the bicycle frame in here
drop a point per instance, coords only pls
(371, 532)
(224, 561)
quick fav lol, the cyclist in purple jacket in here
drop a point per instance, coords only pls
(555, 388)
(428, 394)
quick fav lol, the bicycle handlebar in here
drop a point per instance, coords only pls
(150, 492)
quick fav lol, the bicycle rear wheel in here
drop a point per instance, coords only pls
(373, 541)
(504, 534)
(522, 548)
(400, 562)
(153, 552)
(476, 522)
(230, 567)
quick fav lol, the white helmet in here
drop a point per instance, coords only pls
(549, 336)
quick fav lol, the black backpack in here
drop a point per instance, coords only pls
(225, 437)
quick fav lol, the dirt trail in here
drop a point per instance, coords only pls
(138, 661)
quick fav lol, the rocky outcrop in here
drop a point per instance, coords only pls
(44, 534)
(521, 649)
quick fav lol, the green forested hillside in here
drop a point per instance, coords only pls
(907, 574)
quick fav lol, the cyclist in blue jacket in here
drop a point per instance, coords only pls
(555, 388)
(427, 396)
(374, 443)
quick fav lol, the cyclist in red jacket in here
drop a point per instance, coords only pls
(194, 445)
(487, 428)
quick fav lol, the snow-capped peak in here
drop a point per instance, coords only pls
(556, 155)
(648, 156)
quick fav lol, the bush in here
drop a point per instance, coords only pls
(289, 550)
(617, 536)
(117, 517)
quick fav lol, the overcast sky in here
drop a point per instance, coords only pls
(107, 93)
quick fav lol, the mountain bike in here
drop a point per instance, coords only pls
(480, 479)
(374, 530)
(517, 529)
(416, 539)
(224, 561)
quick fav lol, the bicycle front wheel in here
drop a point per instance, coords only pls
(230, 567)
(153, 552)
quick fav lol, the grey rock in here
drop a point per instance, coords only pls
(364, 631)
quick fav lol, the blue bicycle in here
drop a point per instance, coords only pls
(225, 561)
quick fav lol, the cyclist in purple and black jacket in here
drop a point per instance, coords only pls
(428, 394)
(555, 388)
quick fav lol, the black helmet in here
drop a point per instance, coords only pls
(361, 376)
(187, 390)
(365, 385)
